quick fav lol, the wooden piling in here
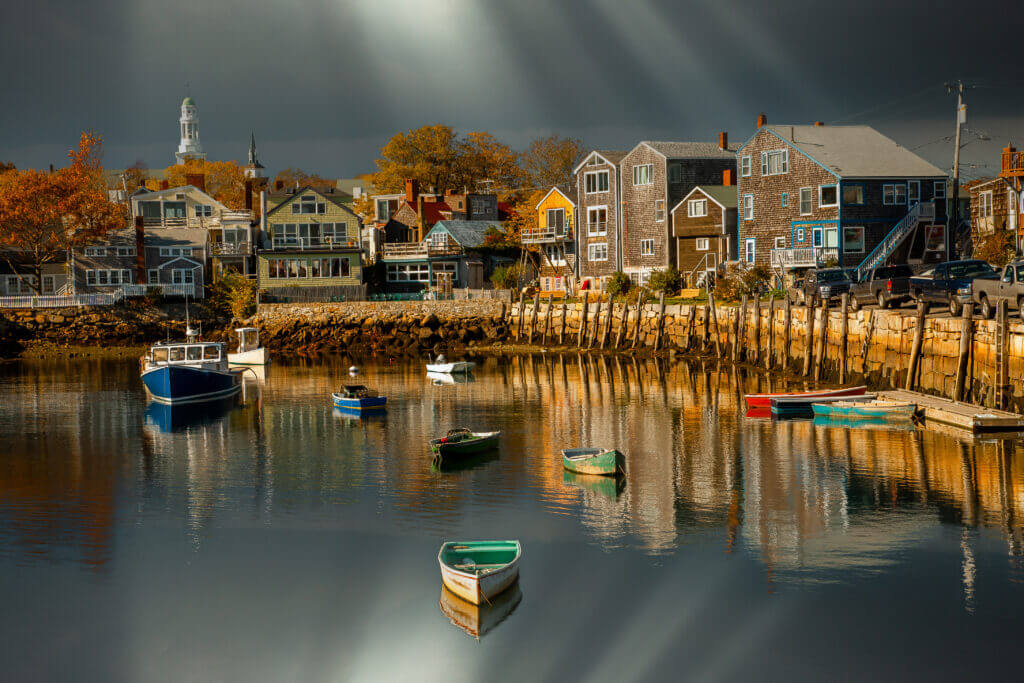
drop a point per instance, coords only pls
(621, 334)
(915, 349)
(714, 321)
(608, 317)
(565, 315)
(533, 318)
(757, 328)
(966, 342)
(661, 321)
(844, 330)
(809, 338)
(866, 343)
(1002, 367)
(769, 357)
(639, 315)
(521, 309)
(787, 323)
(689, 327)
(583, 322)
(706, 335)
(740, 329)
(823, 343)
(547, 318)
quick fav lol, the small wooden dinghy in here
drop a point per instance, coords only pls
(442, 365)
(479, 620)
(605, 461)
(800, 406)
(765, 400)
(476, 571)
(877, 409)
(358, 397)
(462, 442)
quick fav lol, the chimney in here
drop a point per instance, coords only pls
(412, 190)
(278, 185)
(51, 168)
(762, 120)
(729, 177)
(140, 250)
(248, 194)
(422, 216)
(165, 184)
(196, 180)
(449, 192)
(723, 140)
(819, 123)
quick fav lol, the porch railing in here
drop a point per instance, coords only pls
(303, 243)
(545, 234)
(405, 250)
(230, 248)
(803, 257)
(1012, 163)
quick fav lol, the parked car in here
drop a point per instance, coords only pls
(987, 293)
(822, 284)
(949, 283)
(885, 285)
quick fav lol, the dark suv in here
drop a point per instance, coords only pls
(825, 283)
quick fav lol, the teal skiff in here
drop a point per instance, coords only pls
(876, 410)
(476, 571)
(605, 461)
(462, 443)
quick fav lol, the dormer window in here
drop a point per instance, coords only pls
(309, 204)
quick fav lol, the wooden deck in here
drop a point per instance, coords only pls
(965, 416)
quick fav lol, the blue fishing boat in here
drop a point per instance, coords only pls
(800, 406)
(358, 397)
(189, 372)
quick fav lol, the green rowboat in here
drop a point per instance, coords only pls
(605, 461)
(476, 571)
(462, 443)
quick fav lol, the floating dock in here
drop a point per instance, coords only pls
(974, 419)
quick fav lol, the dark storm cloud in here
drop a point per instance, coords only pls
(324, 82)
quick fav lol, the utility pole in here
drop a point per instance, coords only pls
(961, 118)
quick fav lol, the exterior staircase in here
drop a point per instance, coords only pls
(900, 232)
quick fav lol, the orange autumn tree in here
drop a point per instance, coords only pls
(225, 180)
(43, 216)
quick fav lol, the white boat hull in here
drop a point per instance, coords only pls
(257, 356)
(457, 367)
(477, 589)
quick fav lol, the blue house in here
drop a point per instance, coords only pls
(448, 250)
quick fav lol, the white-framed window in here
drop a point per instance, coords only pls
(780, 242)
(595, 181)
(152, 276)
(125, 251)
(175, 251)
(985, 204)
(675, 173)
(659, 210)
(702, 244)
(597, 251)
(828, 195)
(749, 249)
(95, 251)
(784, 200)
(748, 207)
(775, 162)
(643, 174)
(745, 166)
(556, 220)
(182, 276)
(939, 189)
(806, 201)
(203, 210)
(697, 208)
(894, 194)
(108, 277)
(408, 272)
(597, 221)
(853, 240)
(647, 247)
(799, 234)
(446, 268)
(555, 254)
(913, 191)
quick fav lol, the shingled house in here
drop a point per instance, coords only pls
(704, 230)
(554, 235)
(811, 195)
(655, 176)
(598, 238)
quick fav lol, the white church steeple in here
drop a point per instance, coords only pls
(189, 147)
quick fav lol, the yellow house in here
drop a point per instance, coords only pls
(555, 237)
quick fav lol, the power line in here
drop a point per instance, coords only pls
(898, 100)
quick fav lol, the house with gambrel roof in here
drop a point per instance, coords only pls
(810, 195)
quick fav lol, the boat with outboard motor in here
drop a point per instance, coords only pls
(189, 371)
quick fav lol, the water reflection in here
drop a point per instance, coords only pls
(479, 620)
(172, 418)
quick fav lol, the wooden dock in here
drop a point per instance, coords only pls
(974, 419)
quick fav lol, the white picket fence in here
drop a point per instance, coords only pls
(96, 298)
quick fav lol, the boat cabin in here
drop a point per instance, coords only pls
(248, 339)
(186, 354)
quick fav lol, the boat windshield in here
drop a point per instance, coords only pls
(211, 352)
(176, 353)
(160, 355)
(191, 353)
(194, 352)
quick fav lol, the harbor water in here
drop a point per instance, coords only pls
(273, 538)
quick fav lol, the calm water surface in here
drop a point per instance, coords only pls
(277, 540)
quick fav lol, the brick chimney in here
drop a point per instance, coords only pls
(419, 212)
(729, 177)
(723, 140)
(412, 190)
(248, 194)
(278, 185)
(819, 123)
(165, 184)
(196, 180)
(140, 250)
(762, 120)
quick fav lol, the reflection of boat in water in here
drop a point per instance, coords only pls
(479, 620)
(608, 487)
(759, 414)
(445, 378)
(173, 418)
(466, 463)
(361, 415)
(880, 424)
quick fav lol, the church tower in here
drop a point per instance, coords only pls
(189, 147)
(254, 169)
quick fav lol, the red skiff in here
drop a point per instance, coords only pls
(765, 400)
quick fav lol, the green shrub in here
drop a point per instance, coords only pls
(618, 284)
(739, 279)
(233, 294)
(668, 280)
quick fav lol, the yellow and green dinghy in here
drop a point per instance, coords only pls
(605, 461)
(476, 571)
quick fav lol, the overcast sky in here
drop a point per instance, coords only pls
(324, 83)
